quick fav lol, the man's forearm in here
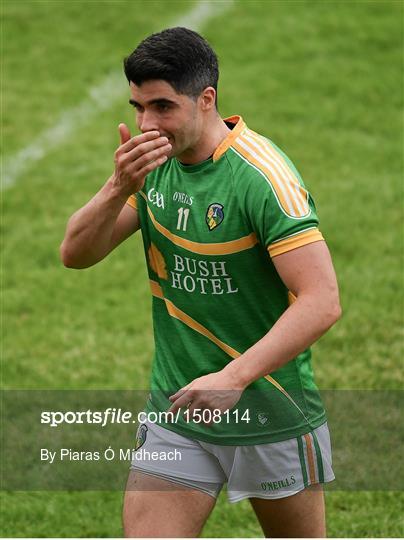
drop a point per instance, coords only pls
(300, 326)
(90, 233)
(89, 230)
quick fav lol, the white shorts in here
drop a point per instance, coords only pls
(266, 471)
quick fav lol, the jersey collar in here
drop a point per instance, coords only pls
(239, 125)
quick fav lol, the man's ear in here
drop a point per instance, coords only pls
(208, 98)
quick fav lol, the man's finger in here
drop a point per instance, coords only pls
(180, 392)
(150, 149)
(124, 133)
(182, 401)
(138, 139)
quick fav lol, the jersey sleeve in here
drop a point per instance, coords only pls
(279, 208)
(132, 202)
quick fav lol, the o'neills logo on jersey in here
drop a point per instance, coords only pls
(205, 277)
(183, 198)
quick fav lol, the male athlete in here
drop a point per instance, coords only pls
(242, 284)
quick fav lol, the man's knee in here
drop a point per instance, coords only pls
(156, 508)
(301, 515)
(136, 514)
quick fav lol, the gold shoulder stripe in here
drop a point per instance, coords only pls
(219, 248)
(292, 184)
(177, 313)
(132, 202)
(228, 141)
(295, 241)
(292, 197)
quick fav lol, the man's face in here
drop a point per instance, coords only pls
(175, 116)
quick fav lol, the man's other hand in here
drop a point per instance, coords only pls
(216, 391)
(136, 157)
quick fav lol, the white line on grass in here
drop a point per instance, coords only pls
(101, 97)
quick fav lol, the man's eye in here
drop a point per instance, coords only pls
(163, 107)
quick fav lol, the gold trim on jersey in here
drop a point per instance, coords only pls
(234, 133)
(291, 195)
(219, 248)
(132, 202)
(295, 241)
(177, 313)
(157, 262)
(189, 321)
(156, 290)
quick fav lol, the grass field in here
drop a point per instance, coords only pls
(321, 79)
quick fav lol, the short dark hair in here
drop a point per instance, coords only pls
(178, 56)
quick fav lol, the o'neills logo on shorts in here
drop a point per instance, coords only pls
(204, 277)
(278, 484)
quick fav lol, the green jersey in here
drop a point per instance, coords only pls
(210, 231)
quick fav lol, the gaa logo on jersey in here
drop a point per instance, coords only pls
(141, 436)
(214, 215)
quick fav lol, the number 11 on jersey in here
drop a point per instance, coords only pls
(183, 214)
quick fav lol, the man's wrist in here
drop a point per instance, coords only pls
(239, 373)
(114, 190)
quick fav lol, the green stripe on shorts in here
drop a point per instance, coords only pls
(302, 460)
(319, 459)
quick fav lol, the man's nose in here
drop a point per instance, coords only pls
(147, 122)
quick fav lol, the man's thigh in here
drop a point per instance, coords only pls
(299, 516)
(154, 507)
